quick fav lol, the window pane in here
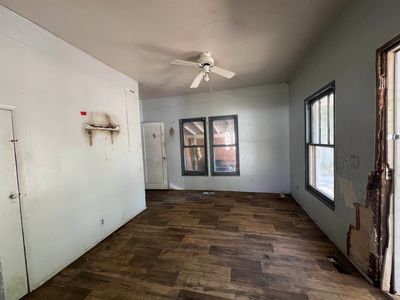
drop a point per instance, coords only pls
(324, 119)
(315, 122)
(194, 158)
(331, 119)
(224, 132)
(193, 133)
(224, 159)
(321, 169)
(311, 163)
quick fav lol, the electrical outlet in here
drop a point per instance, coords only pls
(102, 222)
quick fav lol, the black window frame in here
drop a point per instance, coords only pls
(184, 171)
(328, 89)
(212, 146)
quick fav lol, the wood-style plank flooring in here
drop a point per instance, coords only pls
(188, 245)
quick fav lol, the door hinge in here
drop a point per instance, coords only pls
(13, 140)
(393, 137)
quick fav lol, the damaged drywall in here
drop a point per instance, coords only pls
(372, 219)
(347, 190)
(359, 236)
(362, 237)
(98, 123)
(367, 239)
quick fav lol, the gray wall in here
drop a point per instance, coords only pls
(345, 54)
(263, 113)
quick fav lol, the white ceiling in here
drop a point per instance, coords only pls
(263, 41)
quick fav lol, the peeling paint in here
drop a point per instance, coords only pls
(364, 239)
(347, 190)
(359, 237)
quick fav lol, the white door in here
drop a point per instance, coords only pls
(12, 254)
(155, 159)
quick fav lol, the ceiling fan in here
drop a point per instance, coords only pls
(206, 65)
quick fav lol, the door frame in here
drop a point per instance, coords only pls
(395, 209)
(12, 110)
(165, 184)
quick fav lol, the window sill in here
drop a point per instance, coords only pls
(320, 196)
(194, 174)
(225, 173)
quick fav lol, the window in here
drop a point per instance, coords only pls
(193, 146)
(320, 147)
(224, 145)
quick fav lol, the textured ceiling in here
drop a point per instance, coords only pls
(263, 41)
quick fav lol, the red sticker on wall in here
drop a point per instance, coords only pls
(83, 113)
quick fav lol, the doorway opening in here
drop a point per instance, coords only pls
(155, 157)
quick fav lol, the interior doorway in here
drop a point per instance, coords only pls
(12, 250)
(155, 158)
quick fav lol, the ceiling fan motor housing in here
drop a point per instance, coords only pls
(206, 59)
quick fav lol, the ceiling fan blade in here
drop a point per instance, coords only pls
(197, 80)
(223, 72)
(186, 63)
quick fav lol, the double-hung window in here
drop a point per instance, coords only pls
(193, 146)
(320, 146)
(224, 144)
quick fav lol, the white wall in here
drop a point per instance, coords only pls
(263, 113)
(66, 184)
(346, 54)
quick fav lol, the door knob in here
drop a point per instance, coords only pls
(13, 196)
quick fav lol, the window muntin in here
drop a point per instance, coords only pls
(224, 145)
(320, 148)
(193, 133)
(193, 146)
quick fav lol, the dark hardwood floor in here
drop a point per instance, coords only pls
(187, 245)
